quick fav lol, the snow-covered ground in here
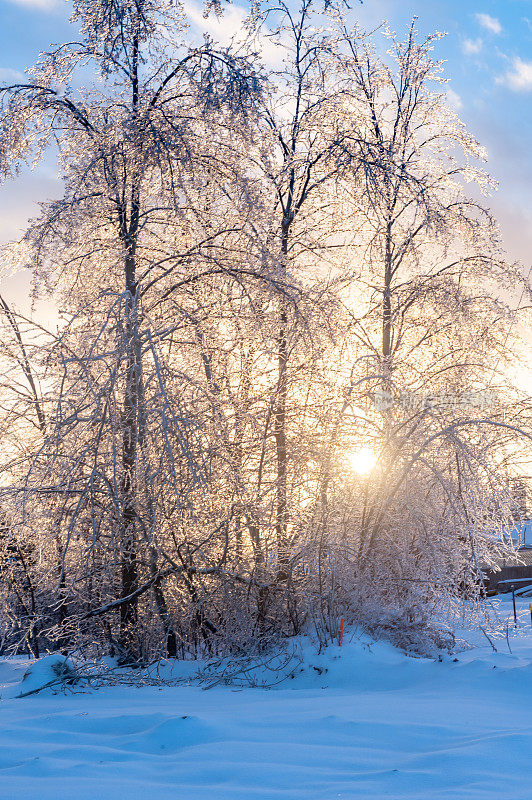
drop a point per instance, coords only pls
(373, 723)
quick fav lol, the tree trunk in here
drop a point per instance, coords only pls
(387, 305)
(132, 395)
(281, 521)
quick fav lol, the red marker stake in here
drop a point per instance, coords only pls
(341, 633)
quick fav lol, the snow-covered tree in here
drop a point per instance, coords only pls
(260, 268)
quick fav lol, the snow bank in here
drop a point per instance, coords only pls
(363, 721)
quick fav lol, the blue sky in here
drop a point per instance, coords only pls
(488, 52)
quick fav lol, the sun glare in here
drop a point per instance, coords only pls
(362, 461)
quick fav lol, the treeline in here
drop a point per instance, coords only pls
(268, 274)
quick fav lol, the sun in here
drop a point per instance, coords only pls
(363, 460)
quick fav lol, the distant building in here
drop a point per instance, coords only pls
(521, 534)
(519, 567)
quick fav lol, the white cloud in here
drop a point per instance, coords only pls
(490, 23)
(519, 78)
(472, 47)
(229, 28)
(222, 28)
(454, 100)
(42, 5)
(8, 75)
